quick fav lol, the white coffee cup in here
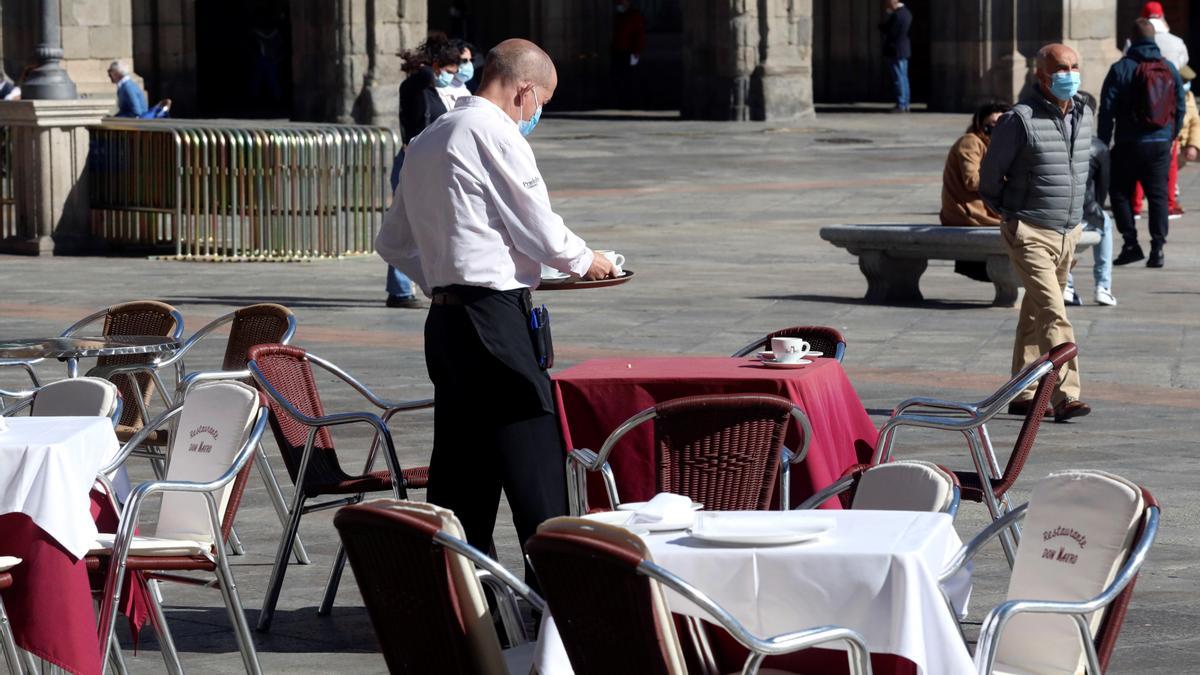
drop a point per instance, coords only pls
(789, 350)
(617, 260)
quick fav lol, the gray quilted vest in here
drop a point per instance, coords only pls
(1047, 180)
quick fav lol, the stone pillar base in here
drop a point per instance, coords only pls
(49, 161)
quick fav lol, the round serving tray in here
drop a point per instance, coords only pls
(573, 284)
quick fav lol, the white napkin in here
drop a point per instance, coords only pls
(664, 507)
(3, 424)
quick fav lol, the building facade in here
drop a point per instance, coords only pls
(339, 60)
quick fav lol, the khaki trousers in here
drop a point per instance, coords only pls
(1042, 258)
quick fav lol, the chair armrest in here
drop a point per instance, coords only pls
(24, 400)
(828, 492)
(139, 437)
(967, 552)
(935, 404)
(806, 431)
(492, 567)
(26, 365)
(177, 355)
(378, 402)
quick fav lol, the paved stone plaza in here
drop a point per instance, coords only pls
(719, 221)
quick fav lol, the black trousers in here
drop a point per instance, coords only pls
(1148, 163)
(492, 426)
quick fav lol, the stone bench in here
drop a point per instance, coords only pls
(893, 257)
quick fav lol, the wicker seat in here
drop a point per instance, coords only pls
(301, 429)
(987, 483)
(7, 642)
(828, 341)
(724, 451)
(1064, 611)
(607, 598)
(421, 586)
(201, 493)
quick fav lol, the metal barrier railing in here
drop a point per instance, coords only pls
(240, 190)
(8, 200)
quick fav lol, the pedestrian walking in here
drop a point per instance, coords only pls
(1034, 175)
(472, 224)
(897, 49)
(1143, 98)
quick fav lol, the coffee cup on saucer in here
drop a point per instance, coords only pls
(789, 350)
(617, 260)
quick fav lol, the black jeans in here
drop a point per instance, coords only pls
(1148, 163)
(490, 430)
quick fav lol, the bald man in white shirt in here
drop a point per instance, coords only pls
(471, 224)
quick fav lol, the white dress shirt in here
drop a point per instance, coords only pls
(471, 207)
(451, 93)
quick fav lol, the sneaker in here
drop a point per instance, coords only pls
(1129, 253)
(404, 301)
(1070, 297)
(1156, 258)
(1175, 213)
(1105, 297)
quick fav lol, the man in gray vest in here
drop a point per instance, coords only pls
(1035, 176)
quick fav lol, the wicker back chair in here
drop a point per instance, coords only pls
(607, 598)
(201, 493)
(143, 317)
(724, 451)
(422, 590)
(261, 324)
(301, 428)
(828, 341)
(987, 483)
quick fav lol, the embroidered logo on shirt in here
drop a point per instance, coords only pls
(532, 182)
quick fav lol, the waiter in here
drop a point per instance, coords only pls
(471, 224)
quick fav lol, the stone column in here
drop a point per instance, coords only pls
(369, 37)
(48, 80)
(50, 147)
(747, 60)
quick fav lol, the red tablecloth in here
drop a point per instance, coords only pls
(50, 602)
(596, 396)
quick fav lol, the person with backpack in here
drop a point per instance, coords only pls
(1143, 98)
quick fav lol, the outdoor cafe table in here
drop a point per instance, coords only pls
(71, 349)
(47, 468)
(874, 572)
(595, 397)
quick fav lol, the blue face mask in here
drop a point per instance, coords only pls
(444, 79)
(526, 127)
(465, 72)
(1064, 85)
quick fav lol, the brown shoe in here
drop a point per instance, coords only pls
(1070, 408)
(1022, 408)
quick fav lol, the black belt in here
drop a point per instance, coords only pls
(446, 299)
(458, 294)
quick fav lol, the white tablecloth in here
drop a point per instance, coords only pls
(875, 572)
(47, 468)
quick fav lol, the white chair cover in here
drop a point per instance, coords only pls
(79, 397)
(907, 485)
(1077, 534)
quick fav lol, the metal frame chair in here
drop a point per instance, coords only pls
(823, 339)
(398, 548)
(846, 487)
(987, 483)
(155, 568)
(762, 408)
(619, 620)
(1113, 600)
(301, 430)
(11, 656)
(27, 366)
(262, 323)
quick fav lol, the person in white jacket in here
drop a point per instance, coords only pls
(1173, 48)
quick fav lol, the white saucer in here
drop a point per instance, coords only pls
(770, 355)
(784, 366)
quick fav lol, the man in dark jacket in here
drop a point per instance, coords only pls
(1035, 175)
(897, 48)
(1141, 152)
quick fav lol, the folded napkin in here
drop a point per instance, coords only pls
(665, 507)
